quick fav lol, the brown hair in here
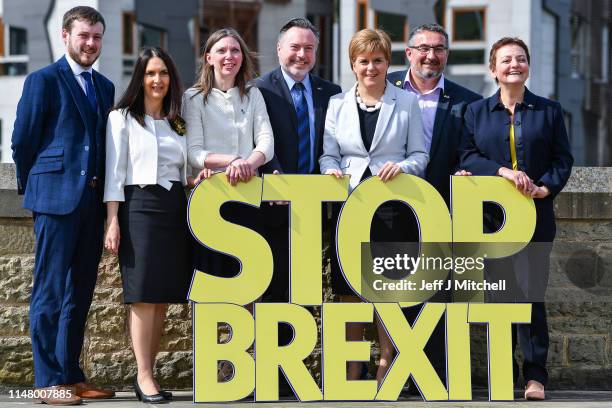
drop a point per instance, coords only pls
(503, 42)
(369, 41)
(89, 14)
(206, 76)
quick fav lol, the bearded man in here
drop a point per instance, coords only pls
(58, 149)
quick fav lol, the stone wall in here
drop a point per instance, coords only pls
(581, 329)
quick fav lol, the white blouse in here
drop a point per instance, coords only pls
(169, 154)
(226, 124)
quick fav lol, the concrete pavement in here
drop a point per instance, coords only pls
(556, 399)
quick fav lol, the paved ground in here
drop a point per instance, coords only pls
(557, 399)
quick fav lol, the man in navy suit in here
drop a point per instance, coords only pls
(443, 104)
(58, 149)
(296, 101)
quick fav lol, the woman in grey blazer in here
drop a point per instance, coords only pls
(374, 129)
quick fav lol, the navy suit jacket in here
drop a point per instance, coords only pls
(283, 118)
(542, 147)
(446, 135)
(58, 139)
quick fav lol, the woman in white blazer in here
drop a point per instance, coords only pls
(374, 129)
(146, 169)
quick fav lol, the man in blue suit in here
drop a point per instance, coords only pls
(296, 101)
(58, 149)
(443, 104)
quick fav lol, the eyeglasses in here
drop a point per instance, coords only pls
(424, 49)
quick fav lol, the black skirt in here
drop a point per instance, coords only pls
(155, 245)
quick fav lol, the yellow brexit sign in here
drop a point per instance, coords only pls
(220, 300)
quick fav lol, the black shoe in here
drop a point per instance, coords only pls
(148, 399)
(166, 394)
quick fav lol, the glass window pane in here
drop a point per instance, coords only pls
(393, 24)
(13, 68)
(466, 57)
(468, 25)
(361, 16)
(151, 36)
(398, 58)
(18, 41)
(128, 33)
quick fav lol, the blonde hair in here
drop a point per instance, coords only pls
(368, 41)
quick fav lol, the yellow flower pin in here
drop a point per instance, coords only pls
(398, 83)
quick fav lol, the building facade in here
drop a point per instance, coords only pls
(569, 44)
(30, 39)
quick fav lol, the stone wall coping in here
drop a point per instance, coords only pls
(586, 183)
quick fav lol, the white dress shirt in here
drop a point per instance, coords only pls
(77, 70)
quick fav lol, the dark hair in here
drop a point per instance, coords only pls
(299, 22)
(132, 99)
(206, 76)
(433, 27)
(503, 42)
(89, 14)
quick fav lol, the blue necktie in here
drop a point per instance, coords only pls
(90, 90)
(303, 122)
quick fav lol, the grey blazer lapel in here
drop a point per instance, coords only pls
(386, 111)
(441, 115)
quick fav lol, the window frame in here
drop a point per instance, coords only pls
(128, 15)
(454, 11)
(365, 5)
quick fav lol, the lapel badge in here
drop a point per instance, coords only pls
(398, 83)
(530, 106)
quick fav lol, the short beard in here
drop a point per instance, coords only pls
(429, 75)
(76, 58)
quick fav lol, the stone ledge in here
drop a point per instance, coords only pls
(587, 195)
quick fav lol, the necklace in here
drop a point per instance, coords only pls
(365, 107)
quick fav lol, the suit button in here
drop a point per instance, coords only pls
(82, 172)
(86, 148)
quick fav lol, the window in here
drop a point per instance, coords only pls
(398, 57)
(439, 8)
(128, 22)
(362, 14)
(468, 57)
(393, 24)
(13, 68)
(468, 25)
(152, 36)
(18, 41)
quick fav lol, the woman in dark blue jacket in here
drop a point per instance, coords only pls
(521, 137)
